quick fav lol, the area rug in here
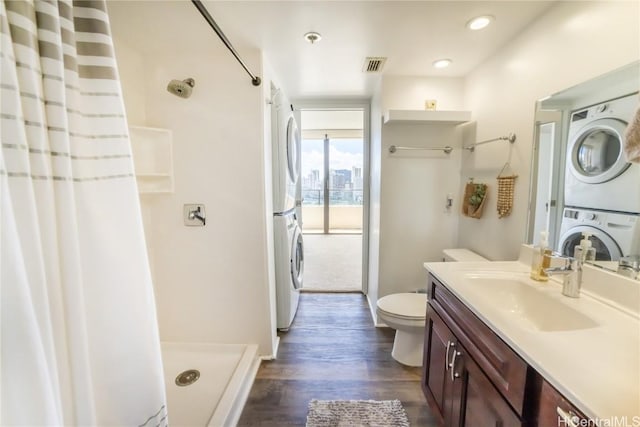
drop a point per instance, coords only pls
(356, 413)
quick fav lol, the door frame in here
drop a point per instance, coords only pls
(346, 104)
(556, 203)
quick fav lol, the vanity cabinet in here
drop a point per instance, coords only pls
(555, 410)
(463, 393)
(471, 377)
(462, 357)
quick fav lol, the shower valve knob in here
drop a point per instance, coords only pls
(194, 215)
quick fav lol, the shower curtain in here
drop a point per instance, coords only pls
(79, 337)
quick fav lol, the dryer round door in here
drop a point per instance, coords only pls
(297, 257)
(596, 151)
(606, 248)
(293, 149)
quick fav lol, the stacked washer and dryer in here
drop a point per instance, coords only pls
(289, 249)
(602, 189)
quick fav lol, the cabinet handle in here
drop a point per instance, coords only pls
(454, 375)
(569, 418)
(446, 357)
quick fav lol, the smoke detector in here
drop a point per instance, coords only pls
(373, 64)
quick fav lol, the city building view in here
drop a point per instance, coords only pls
(345, 184)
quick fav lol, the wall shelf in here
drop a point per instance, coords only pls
(152, 158)
(426, 116)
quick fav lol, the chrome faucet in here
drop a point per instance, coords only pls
(197, 214)
(572, 275)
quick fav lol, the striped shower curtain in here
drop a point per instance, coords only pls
(79, 338)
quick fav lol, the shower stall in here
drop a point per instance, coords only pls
(214, 312)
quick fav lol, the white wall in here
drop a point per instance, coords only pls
(132, 78)
(212, 283)
(375, 164)
(571, 43)
(414, 225)
(408, 220)
(411, 92)
(269, 82)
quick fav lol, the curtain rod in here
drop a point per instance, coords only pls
(205, 14)
(447, 149)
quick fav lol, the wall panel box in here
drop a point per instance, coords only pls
(152, 158)
(426, 116)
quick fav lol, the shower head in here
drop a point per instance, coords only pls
(181, 88)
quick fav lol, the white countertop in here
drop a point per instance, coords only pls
(596, 368)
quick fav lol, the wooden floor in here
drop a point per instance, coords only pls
(332, 351)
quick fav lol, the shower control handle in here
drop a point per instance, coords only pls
(194, 215)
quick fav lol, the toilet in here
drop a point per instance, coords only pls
(406, 313)
(461, 255)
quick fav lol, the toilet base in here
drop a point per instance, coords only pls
(408, 347)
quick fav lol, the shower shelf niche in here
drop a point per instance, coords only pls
(152, 158)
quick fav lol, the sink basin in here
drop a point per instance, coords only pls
(535, 307)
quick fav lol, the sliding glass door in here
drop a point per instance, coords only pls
(332, 174)
(343, 209)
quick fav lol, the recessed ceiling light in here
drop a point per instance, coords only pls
(312, 37)
(442, 63)
(480, 22)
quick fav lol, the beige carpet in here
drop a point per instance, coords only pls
(332, 262)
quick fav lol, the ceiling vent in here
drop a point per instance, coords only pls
(373, 64)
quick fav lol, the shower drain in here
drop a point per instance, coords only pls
(187, 377)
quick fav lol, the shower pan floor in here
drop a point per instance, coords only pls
(218, 396)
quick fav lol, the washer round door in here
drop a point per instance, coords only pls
(596, 151)
(293, 149)
(606, 248)
(297, 257)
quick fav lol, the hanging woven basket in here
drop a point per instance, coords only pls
(470, 205)
(506, 189)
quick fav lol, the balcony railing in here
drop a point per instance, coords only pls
(336, 197)
(345, 210)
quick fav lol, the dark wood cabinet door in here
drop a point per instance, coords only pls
(555, 410)
(482, 404)
(506, 370)
(438, 342)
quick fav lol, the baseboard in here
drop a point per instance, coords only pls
(372, 310)
(330, 291)
(276, 347)
(235, 397)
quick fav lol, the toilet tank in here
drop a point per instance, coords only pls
(461, 255)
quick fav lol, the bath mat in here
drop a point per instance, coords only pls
(356, 413)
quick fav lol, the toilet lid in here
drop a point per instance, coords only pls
(404, 305)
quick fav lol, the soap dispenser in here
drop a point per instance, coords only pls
(585, 251)
(541, 259)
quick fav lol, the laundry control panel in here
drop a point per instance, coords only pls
(583, 215)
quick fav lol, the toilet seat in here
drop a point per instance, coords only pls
(409, 306)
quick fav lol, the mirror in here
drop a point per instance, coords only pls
(580, 179)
